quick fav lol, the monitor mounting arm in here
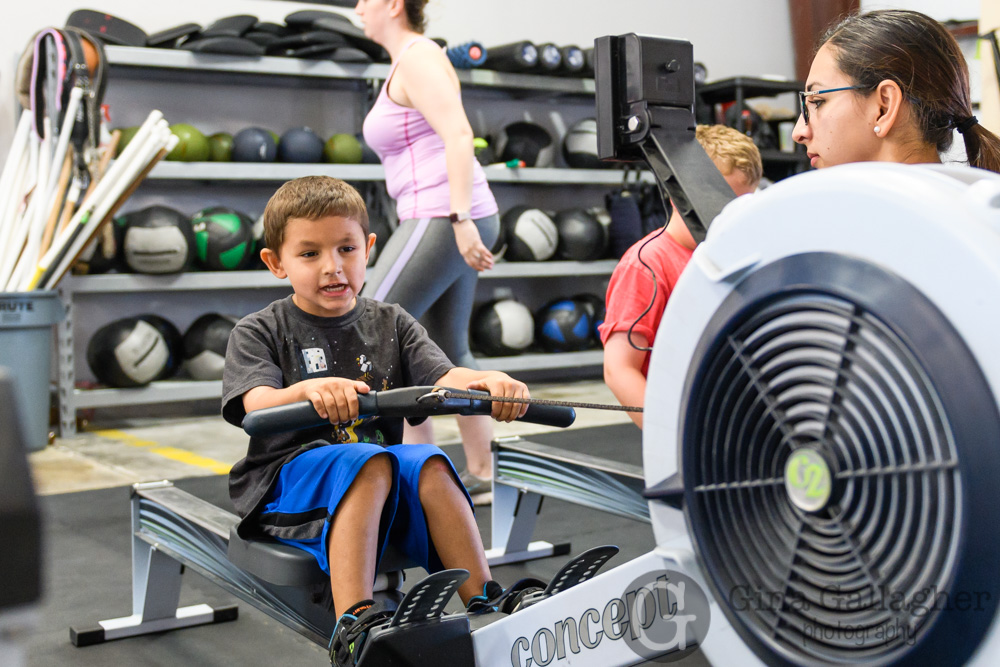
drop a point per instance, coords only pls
(645, 112)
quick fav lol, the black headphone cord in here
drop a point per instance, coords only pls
(652, 299)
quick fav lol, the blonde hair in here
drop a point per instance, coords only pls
(311, 198)
(733, 150)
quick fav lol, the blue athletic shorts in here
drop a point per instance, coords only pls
(310, 487)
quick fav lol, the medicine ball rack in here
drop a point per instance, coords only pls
(89, 298)
(86, 297)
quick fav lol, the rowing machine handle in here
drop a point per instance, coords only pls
(560, 416)
(393, 403)
(294, 417)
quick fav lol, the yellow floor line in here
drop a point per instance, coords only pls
(172, 453)
(184, 456)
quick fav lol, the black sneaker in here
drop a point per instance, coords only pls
(522, 594)
(351, 632)
(487, 602)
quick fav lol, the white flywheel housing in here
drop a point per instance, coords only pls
(825, 381)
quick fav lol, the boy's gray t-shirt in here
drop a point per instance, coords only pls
(377, 343)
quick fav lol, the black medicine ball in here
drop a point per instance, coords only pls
(129, 352)
(157, 239)
(368, 155)
(254, 144)
(503, 328)
(223, 239)
(582, 237)
(105, 253)
(528, 142)
(499, 247)
(580, 145)
(257, 231)
(530, 234)
(300, 144)
(564, 326)
(205, 344)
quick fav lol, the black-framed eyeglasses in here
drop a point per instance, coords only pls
(804, 108)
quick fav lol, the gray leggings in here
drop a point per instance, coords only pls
(421, 269)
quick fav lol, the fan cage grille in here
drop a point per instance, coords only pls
(862, 576)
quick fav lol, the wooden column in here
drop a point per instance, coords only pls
(810, 19)
(989, 110)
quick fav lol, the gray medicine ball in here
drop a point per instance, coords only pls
(530, 234)
(157, 239)
(503, 328)
(129, 352)
(580, 145)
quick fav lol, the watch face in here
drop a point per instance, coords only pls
(700, 73)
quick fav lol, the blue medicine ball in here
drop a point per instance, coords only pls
(254, 144)
(595, 305)
(300, 144)
(564, 326)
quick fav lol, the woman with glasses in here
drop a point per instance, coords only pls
(890, 86)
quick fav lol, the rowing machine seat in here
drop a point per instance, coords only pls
(284, 565)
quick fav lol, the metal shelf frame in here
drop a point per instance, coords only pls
(188, 61)
(170, 391)
(280, 172)
(72, 399)
(173, 65)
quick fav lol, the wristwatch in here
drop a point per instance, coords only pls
(459, 217)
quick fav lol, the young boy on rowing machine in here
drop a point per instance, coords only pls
(343, 491)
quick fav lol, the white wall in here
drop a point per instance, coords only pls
(732, 37)
(942, 10)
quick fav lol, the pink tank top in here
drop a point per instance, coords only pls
(413, 156)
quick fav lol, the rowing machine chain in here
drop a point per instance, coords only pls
(447, 393)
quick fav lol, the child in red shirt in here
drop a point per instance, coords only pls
(629, 300)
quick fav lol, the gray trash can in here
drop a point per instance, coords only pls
(26, 320)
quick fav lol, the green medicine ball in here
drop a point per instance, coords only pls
(193, 145)
(220, 147)
(223, 239)
(127, 134)
(342, 149)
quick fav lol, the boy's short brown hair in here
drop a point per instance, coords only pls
(311, 198)
(733, 149)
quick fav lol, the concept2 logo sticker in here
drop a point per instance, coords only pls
(662, 616)
(808, 479)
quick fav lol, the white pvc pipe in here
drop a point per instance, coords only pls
(158, 139)
(101, 189)
(12, 167)
(23, 220)
(36, 214)
(11, 205)
(12, 180)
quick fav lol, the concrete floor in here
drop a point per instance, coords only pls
(120, 452)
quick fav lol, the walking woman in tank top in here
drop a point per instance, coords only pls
(448, 216)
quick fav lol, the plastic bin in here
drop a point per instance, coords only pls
(26, 321)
